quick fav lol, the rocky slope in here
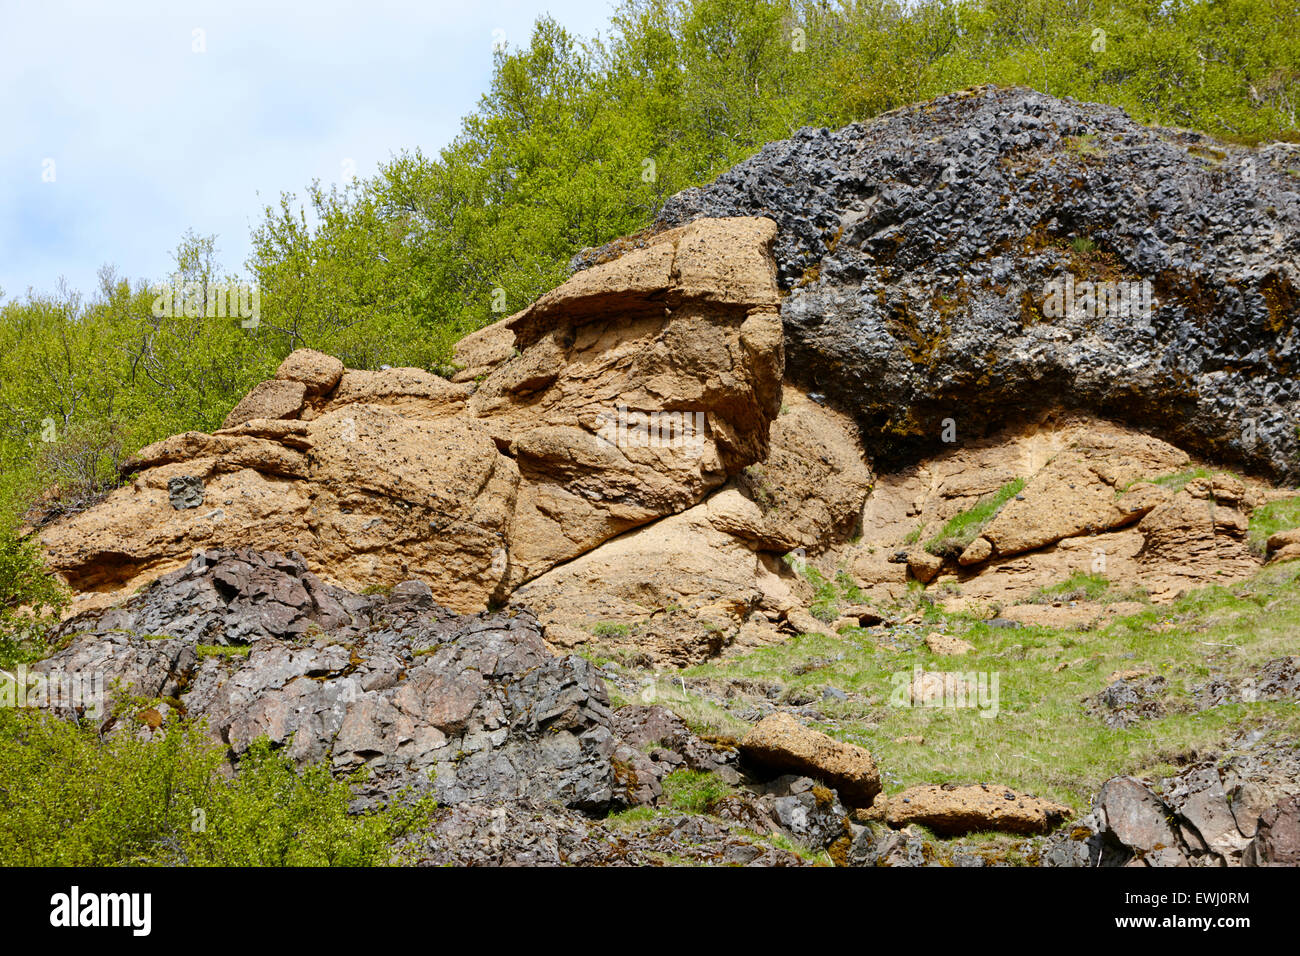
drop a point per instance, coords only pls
(824, 400)
(915, 254)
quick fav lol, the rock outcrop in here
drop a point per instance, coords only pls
(919, 253)
(1095, 499)
(624, 396)
(1238, 811)
(472, 707)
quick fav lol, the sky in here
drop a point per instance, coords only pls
(123, 124)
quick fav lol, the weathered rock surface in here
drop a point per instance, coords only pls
(917, 251)
(625, 395)
(780, 743)
(530, 834)
(1089, 506)
(1231, 812)
(690, 586)
(951, 810)
(471, 708)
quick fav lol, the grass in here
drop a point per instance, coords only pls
(1267, 520)
(964, 528)
(1086, 145)
(1077, 587)
(829, 593)
(611, 629)
(1042, 739)
(702, 716)
(693, 791)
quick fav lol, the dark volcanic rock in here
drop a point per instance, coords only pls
(1237, 811)
(528, 834)
(471, 706)
(917, 251)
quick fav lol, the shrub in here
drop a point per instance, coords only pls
(71, 798)
(30, 598)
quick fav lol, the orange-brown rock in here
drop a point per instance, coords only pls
(1089, 506)
(780, 744)
(955, 810)
(317, 371)
(624, 396)
(270, 399)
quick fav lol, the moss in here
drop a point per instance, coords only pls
(222, 650)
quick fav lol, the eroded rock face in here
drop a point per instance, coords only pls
(710, 579)
(918, 248)
(470, 707)
(624, 396)
(1096, 499)
(951, 810)
(1231, 812)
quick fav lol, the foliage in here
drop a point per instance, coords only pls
(71, 798)
(29, 598)
(1267, 520)
(693, 791)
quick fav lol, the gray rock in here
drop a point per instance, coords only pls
(468, 707)
(185, 491)
(916, 250)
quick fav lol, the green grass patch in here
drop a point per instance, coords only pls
(1267, 520)
(223, 650)
(1043, 739)
(962, 529)
(1077, 587)
(693, 791)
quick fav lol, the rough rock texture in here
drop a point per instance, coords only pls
(529, 834)
(709, 579)
(951, 810)
(625, 395)
(471, 707)
(1088, 506)
(917, 249)
(1237, 811)
(780, 743)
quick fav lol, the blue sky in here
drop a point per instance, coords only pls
(118, 134)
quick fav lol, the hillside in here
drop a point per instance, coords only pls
(814, 523)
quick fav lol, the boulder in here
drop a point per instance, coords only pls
(951, 810)
(916, 299)
(1277, 837)
(780, 744)
(318, 372)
